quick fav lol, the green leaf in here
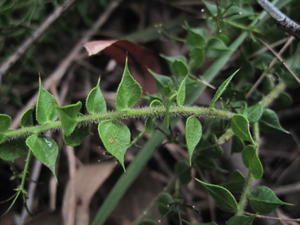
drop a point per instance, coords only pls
(252, 161)
(240, 220)
(27, 118)
(240, 127)
(193, 134)
(263, 200)
(221, 89)
(44, 149)
(238, 106)
(183, 171)
(217, 44)
(5, 121)
(195, 38)
(237, 144)
(179, 67)
(212, 8)
(129, 91)
(165, 201)
(76, 136)
(284, 100)
(149, 125)
(164, 83)
(172, 59)
(12, 150)
(45, 107)
(270, 119)
(197, 56)
(254, 113)
(156, 103)
(115, 137)
(95, 102)
(235, 182)
(68, 115)
(223, 197)
(180, 98)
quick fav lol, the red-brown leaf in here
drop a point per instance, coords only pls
(140, 59)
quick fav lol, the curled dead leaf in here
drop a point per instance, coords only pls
(140, 59)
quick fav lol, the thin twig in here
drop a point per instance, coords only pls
(69, 213)
(5, 66)
(202, 81)
(282, 215)
(272, 217)
(280, 59)
(287, 189)
(65, 64)
(264, 49)
(20, 220)
(260, 79)
(283, 20)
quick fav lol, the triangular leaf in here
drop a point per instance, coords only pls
(270, 119)
(195, 38)
(95, 102)
(252, 161)
(180, 98)
(183, 171)
(193, 134)
(237, 144)
(68, 115)
(217, 44)
(45, 106)
(129, 91)
(27, 118)
(221, 89)
(240, 127)
(254, 112)
(263, 200)
(164, 83)
(197, 56)
(235, 182)
(223, 197)
(44, 149)
(211, 8)
(12, 150)
(179, 67)
(76, 137)
(115, 137)
(165, 201)
(5, 121)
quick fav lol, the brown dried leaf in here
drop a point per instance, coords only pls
(87, 181)
(140, 59)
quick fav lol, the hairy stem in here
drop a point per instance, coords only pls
(243, 200)
(277, 90)
(21, 187)
(247, 187)
(130, 113)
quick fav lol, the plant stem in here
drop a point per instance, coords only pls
(25, 171)
(243, 200)
(268, 99)
(130, 113)
(265, 102)
(247, 187)
(21, 188)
